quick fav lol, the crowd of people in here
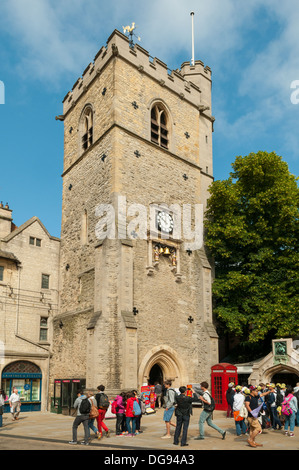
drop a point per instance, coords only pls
(266, 406)
(129, 408)
(254, 408)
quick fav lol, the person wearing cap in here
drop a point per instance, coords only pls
(273, 407)
(283, 389)
(238, 402)
(252, 402)
(230, 393)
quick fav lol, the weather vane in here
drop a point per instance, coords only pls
(130, 31)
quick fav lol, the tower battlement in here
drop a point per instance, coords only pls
(189, 82)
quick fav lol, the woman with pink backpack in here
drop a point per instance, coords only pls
(289, 409)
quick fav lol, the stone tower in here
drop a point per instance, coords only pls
(135, 286)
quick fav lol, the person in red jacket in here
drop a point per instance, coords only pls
(130, 417)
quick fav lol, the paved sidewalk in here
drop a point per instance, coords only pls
(49, 431)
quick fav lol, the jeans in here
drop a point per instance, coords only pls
(207, 416)
(78, 420)
(290, 421)
(241, 427)
(128, 423)
(276, 420)
(181, 421)
(92, 426)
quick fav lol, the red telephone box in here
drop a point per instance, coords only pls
(221, 375)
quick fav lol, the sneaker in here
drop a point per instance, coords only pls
(108, 433)
(167, 436)
(223, 435)
(100, 436)
(198, 438)
(291, 434)
(84, 443)
(73, 442)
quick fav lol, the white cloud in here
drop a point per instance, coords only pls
(55, 39)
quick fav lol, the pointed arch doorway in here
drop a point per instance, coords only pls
(155, 375)
(162, 363)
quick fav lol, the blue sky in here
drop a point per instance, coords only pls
(45, 45)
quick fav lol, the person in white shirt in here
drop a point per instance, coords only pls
(238, 402)
(207, 412)
(15, 404)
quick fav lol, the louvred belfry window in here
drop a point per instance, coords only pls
(87, 137)
(159, 126)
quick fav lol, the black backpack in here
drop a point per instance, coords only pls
(103, 401)
(279, 398)
(85, 406)
(209, 407)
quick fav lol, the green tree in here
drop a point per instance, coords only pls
(252, 232)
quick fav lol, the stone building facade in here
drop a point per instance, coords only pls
(29, 286)
(135, 296)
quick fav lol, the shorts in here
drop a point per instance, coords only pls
(168, 414)
(254, 424)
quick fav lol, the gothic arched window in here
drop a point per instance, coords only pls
(87, 128)
(159, 126)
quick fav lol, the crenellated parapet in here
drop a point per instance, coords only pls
(191, 82)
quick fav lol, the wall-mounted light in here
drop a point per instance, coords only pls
(190, 319)
(60, 324)
(67, 267)
(70, 187)
(137, 153)
(104, 91)
(187, 135)
(103, 157)
(185, 176)
(189, 252)
(135, 105)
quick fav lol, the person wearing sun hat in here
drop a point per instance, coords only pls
(238, 402)
(283, 389)
(273, 407)
(252, 403)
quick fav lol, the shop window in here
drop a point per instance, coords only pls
(43, 331)
(26, 377)
(159, 126)
(45, 281)
(1, 273)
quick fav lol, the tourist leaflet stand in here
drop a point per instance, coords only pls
(221, 375)
(149, 396)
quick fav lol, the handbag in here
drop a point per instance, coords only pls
(243, 411)
(237, 416)
(94, 412)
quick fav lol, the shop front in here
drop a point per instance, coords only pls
(27, 378)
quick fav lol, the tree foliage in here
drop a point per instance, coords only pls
(252, 232)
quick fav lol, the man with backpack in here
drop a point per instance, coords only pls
(170, 402)
(207, 412)
(103, 405)
(83, 407)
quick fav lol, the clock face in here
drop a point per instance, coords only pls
(165, 222)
